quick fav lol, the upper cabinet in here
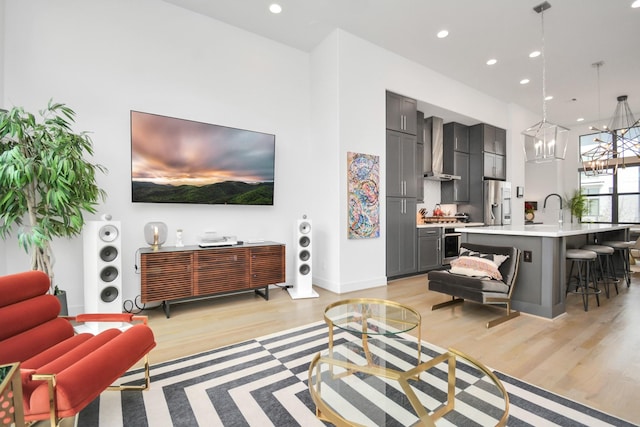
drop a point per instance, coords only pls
(489, 143)
(401, 113)
(494, 139)
(456, 136)
(420, 157)
(456, 159)
(401, 165)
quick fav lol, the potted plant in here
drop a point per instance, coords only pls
(46, 181)
(577, 205)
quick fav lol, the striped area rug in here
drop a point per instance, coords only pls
(263, 382)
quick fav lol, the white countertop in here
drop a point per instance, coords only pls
(543, 230)
(450, 224)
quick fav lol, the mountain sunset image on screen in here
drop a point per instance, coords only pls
(182, 161)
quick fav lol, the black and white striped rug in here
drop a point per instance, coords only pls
(263, 382)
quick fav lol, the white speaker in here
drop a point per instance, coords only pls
(102, 269)
(303, 287)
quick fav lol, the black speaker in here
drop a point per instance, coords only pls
(102, 267)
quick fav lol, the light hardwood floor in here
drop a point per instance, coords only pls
(591, 357)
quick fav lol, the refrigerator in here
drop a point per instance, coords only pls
(497, 202)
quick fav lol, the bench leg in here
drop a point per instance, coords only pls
(453, 301)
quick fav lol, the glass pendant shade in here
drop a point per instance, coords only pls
(155, 234)
(545, 142)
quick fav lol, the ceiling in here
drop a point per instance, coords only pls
(577, 34)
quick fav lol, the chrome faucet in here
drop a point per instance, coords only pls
(544, 206)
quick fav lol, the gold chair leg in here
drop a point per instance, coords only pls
(499, 320)
(453, 301)
(147, 380)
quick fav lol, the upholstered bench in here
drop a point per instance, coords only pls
(483, 274)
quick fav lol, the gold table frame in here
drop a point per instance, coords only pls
(11, 410)
(408, 320)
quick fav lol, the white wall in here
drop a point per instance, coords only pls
(104, 58)
(325, 164)
(166, 60)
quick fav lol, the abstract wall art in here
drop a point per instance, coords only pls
(363, 189)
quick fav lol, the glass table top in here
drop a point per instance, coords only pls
(372, 316)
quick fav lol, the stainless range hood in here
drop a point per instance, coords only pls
(434, 151)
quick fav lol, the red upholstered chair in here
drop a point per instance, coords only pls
(62, 372)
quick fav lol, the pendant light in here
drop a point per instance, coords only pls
(596, 161)
(544, 141)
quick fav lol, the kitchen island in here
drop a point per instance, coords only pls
(541, 284)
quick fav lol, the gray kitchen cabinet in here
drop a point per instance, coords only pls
(401, 113)
(494, 166)
(457, 136)
(419, 177)
(494, 139)
(401, 236)
(429, 248)
(420, 157)
(456, 158)
(401, 165)
(420, 127)
(488, 146)
(457, 191)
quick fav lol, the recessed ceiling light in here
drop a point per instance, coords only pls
(275, 8)
(442, 34)
(635, 4)
(524, 81)
(580, 119)
(548, 98)
(493, 61)
(534, 54)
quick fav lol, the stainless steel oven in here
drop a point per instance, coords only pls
(450, 245)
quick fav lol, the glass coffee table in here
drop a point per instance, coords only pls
(367, 317)
(375, 375)
(449, 388)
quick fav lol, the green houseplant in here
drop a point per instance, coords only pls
(46, 181)
(577, 205)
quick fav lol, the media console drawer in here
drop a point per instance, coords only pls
(172, 273)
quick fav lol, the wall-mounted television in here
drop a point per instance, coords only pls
(183, 161)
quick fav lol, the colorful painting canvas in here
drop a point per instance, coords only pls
(363, 188)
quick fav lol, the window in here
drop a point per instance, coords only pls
(613, 198)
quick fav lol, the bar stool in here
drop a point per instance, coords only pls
(622, 248)
(606, 253)
(584, 258)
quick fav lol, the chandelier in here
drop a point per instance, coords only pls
(622, 144)
(544, 141)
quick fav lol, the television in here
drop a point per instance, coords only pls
(183, 161)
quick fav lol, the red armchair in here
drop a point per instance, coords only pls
(62, 372)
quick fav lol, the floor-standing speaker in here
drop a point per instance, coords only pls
(304, 242)
(102, 268)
